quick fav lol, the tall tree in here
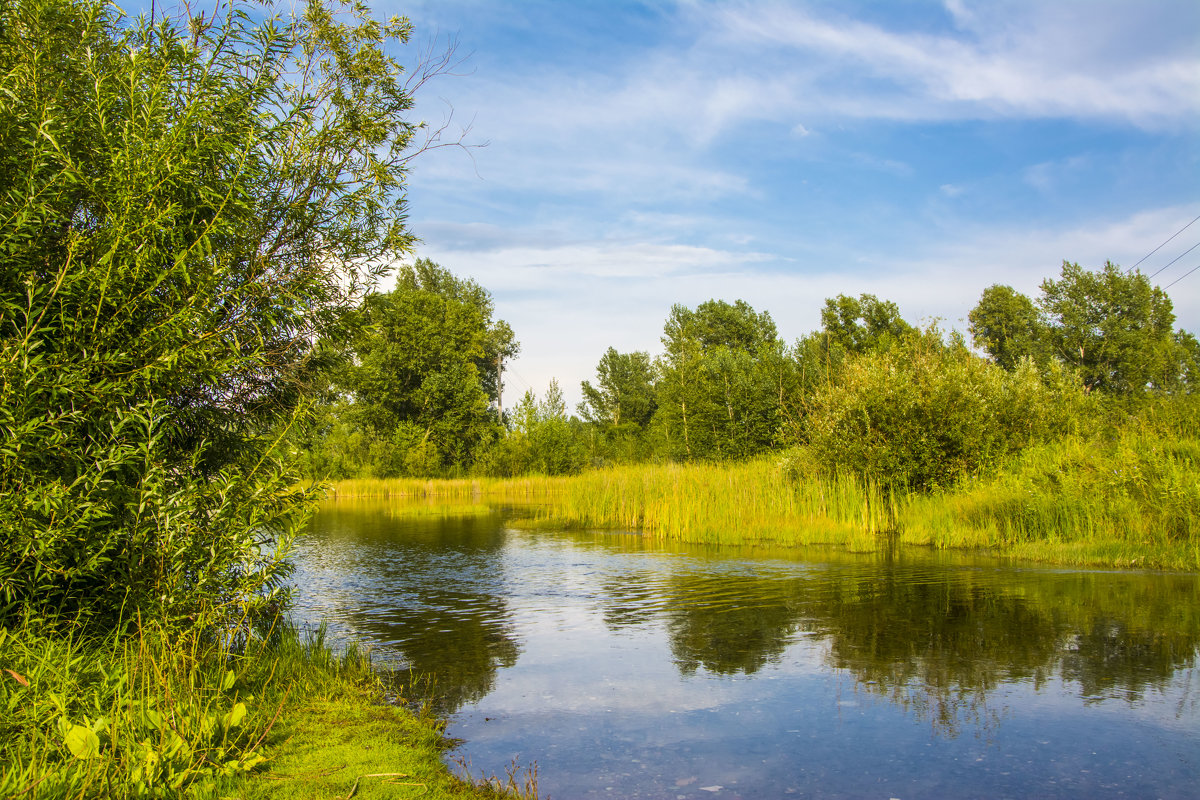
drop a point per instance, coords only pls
(1113, 327)
(424, 378)
(863, 324)
(622, 403)
(717, 393)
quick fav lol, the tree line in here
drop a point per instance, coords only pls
(901, 404)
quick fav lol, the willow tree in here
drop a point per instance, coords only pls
(188, 205)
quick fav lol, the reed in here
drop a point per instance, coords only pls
(1129, 498)
(1133, 500)
(453, 488)
(743, 503)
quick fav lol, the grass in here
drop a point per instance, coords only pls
(1130, 499)
(1133, 501)
(171, 714)
(457, 488)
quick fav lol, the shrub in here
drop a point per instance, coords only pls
(924, 413)
(183, 220)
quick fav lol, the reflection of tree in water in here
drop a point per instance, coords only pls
(936, 645)
(452, 658)
(434, 596)
(727, 638)
(940, 641)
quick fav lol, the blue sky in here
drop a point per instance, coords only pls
(645, 154)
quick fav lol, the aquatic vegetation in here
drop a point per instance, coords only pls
(1128, 499)
(533, 486)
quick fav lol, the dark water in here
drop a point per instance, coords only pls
(629, 669)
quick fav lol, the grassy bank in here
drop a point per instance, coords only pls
(155, 715)
(1127, 500)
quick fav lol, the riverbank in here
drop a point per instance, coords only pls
(1129, 501)
(172, 715)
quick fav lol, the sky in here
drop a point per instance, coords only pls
(635, 155)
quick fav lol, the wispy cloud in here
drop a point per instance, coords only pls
(1006, 60)
(570, 302)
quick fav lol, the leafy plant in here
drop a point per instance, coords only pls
(189, 204)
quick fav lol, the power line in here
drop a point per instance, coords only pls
(1181, 277)
(1164, 244)
(1181, 255)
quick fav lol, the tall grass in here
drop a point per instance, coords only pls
(752, 502)
(1129, 501)
(1127, 498)
(532, 487)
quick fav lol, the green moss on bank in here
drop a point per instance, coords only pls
(151, 713)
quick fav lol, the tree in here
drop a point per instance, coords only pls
(541, 439)
(863, 324)
(718, 393)
(424, 378)
(622, 403)
(1005, 325)
(924, 414)
(190, 204)
(1113, 327)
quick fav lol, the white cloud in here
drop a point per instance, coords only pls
(1012, 63)
(569, 302)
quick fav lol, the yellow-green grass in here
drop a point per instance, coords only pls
(354, 746)
(1133, 501)
(171, 714)
(752, 502)
(461, 488)
(1128, 501)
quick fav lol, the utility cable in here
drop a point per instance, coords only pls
(1164, 244)
(1181, 277)
(1181, 255)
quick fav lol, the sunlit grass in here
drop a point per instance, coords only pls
(459, 488)
(1129, 500)
(175, 714)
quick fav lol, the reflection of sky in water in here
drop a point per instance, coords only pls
(629, 671)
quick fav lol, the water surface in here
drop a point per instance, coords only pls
(625, 668)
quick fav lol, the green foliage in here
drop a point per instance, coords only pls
(1005, 324)
(923, 414)
(863, 324)
(159, 714)
(622, 403)
(1113, 327)
(144, 716)
(541, 439)
(720, 382)
(184, 217)
(1126, 497)
(423, 382)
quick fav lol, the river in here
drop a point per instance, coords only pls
(625, 668)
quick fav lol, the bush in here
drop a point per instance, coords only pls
(183, 220)
(922, 414)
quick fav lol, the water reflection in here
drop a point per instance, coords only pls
(572, 638)
(427, 592)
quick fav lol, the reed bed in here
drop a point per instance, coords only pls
(753, 502)
(1131, 500)
(531, 487)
